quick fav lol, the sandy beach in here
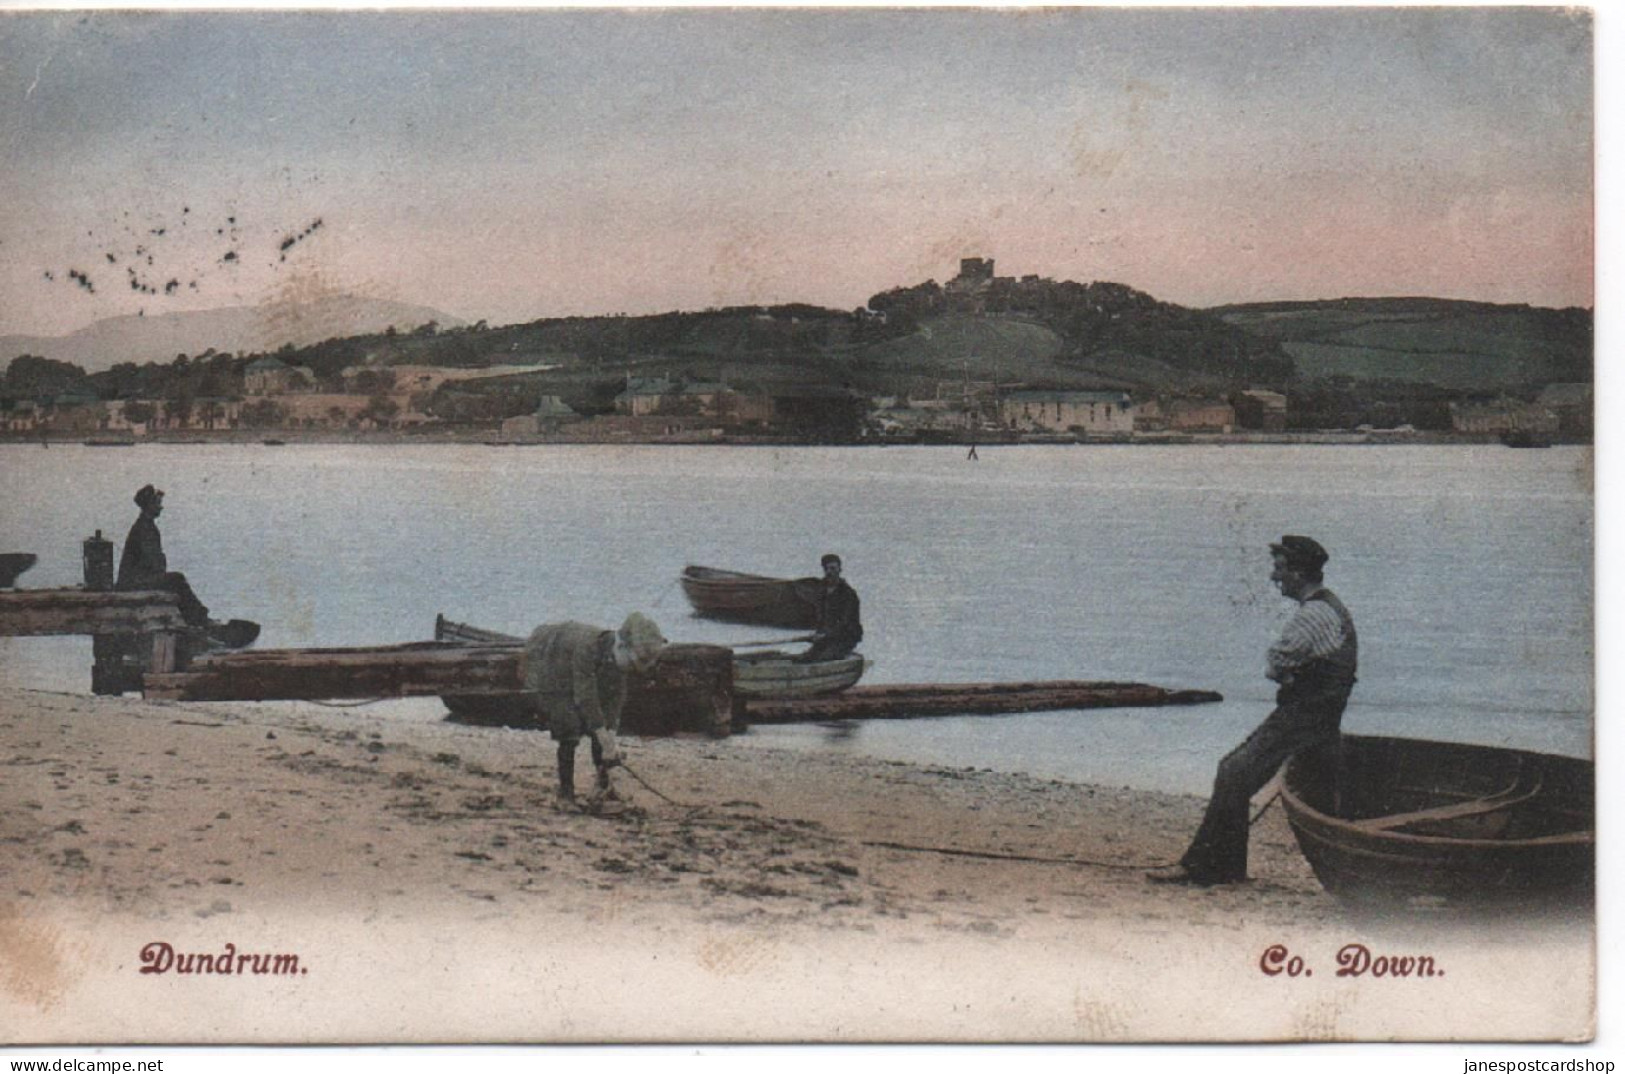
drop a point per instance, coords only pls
(431, 891)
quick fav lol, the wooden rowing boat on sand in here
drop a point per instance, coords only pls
(752, 598)
(1439, 823)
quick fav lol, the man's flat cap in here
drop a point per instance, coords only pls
(1301, 552)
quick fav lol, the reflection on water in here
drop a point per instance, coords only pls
(1468, 570)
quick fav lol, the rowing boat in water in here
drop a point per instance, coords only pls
(752, 598)
(1412, 821)
(781, 677)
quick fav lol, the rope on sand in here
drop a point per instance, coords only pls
(659, 794)
(958, 852)
(998, 856)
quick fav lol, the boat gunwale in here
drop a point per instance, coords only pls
(1300, 812)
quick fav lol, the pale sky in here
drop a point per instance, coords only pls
(535, 164)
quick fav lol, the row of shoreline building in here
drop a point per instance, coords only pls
(660, 408)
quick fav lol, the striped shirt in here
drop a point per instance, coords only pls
(1315, 631)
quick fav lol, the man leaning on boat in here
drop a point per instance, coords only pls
(578, 674)
(1314, 663)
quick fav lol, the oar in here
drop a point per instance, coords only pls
(764, 644)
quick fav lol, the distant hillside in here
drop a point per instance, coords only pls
(1064, 334)
(1031, 331)
(248, 329)
(948, 346)
(1472, 346)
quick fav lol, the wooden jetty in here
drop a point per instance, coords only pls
(132, 631)
(36, 612)
(913, 700)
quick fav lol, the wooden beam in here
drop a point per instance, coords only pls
(424, 670)
(36, 612)
(910, 700)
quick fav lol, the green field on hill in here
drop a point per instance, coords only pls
(1462, 345)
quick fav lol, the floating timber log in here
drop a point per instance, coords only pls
(910, 700)
(691, 690)
(33, 612)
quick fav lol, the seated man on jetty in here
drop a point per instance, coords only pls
(839, 629)
(1314, 662)
(578, 674)
(143, 565)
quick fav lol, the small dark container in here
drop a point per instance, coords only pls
(98, 562)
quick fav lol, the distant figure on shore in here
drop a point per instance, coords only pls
(578, 674)
(971, 454)
(1314, 662)
(839, 629)
(144, 566)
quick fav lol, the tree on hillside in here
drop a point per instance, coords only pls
(178, 407)
(263, 414)
(373, 381)
(139, 412)
(381, 409)
(30, 377)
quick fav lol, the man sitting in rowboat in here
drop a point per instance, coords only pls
(578, 674)
(1314, 662)
(839, 629)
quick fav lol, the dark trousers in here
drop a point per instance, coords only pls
(194, 611)
(1303, 720)
(827, 649)
(567, 763)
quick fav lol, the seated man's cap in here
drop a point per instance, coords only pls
(1301, 552)
(148, 495)
(830, 557)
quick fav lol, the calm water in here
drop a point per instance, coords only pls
(1468, 569)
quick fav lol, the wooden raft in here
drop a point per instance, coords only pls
(910, 700)
(691, 689)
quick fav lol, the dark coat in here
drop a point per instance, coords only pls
(143, 564)
(838, 620)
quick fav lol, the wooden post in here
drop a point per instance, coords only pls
(116, 658)
(164, 654)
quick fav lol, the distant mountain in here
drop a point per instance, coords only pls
(229, 330)
(1470, 346)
